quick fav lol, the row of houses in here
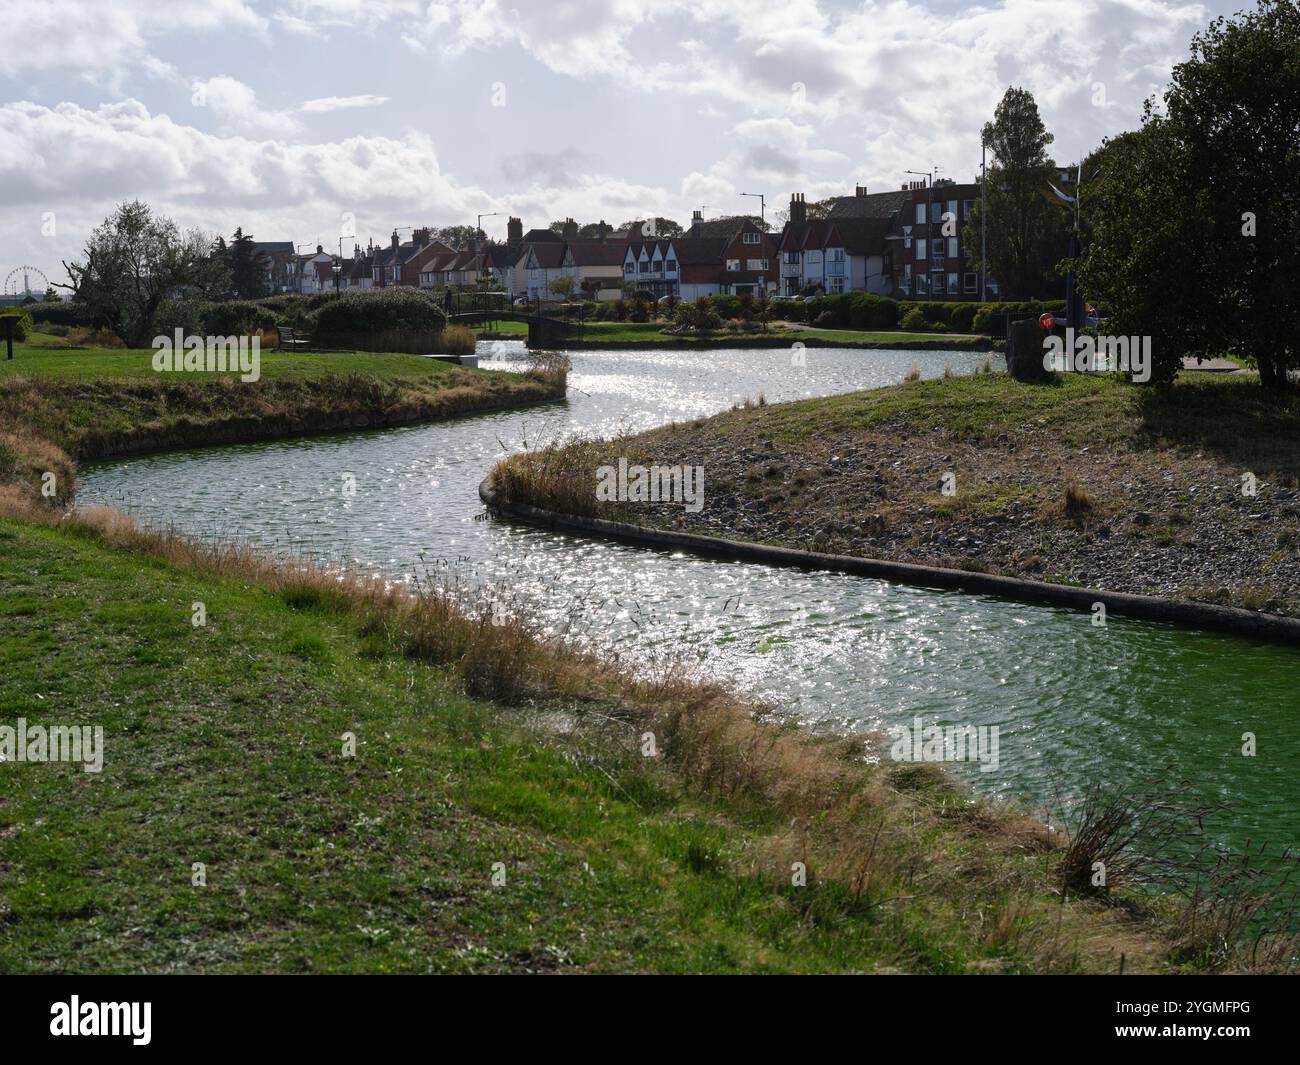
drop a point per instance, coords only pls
(907, 242)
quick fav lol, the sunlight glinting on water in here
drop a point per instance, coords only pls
(1074, 702)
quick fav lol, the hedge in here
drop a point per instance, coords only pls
(390, 319)
(23, 328)
(66, 312)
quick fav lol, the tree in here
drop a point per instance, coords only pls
(563, 286)
(134, 261)
(1197, 216)
(454, 236)
(1025, 232)
(247, 273)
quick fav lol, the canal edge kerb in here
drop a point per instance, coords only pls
(1272, 627)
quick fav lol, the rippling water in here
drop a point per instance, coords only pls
(1073, 702)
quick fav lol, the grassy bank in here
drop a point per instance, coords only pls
(1086, 482)
(651, 334)
(59, 406)
(481, 751)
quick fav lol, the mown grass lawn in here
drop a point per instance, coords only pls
(43, 355)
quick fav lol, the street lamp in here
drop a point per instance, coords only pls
(478, 225)
(337, 267)
(762, 204)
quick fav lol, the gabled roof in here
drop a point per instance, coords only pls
(857, 236)
(274, 247)
(549, 254)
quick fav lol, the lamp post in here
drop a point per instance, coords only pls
(478, 224)
(337, 268)
(762, 205)
(984, 222)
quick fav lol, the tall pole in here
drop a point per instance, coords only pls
(762, 204)
(984, 221)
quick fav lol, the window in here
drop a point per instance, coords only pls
(920, 248)
(791, 257)
(920, 214)
(921, 287)
(753, 238)
(936, 213)
(733, 264)
(657, 267)
(670, 265)
(952, 247)
(936, 284)
(952, 209)
(952, 284)
(970, 206)
(755, 264)
(835, 255)
(837, 284)
(969, 282)
(645, 266)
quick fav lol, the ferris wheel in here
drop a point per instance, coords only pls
(18, 282)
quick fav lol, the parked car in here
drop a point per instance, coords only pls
(785, 299)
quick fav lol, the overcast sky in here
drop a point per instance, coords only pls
(298, 118)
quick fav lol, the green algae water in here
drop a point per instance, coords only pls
(1125, 705)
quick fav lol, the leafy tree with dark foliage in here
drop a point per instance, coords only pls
(247, 275)
(1195, 220)
(1026, 232)
(134, 262)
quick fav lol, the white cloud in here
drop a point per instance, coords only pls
(235, 105)
(340, 103)
(104, 36)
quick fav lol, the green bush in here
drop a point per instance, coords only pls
(400, 319)
(70, 313)
(913, 321)
(236, 318)
(23, 328)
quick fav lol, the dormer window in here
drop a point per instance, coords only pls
(752, 238)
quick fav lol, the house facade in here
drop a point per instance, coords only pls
(730, 256)
(931, 260)
(846, 251)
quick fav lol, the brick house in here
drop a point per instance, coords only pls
(931, 260)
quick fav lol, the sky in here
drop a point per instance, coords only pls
(316, 120)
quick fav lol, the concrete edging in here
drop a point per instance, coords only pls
(1239, 622)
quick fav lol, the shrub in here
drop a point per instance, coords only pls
(236, 318)
(23, 327)
(68, 313)
(982, 322)
(913, 320)
(619, 311)
(641, 310)
(456, 340)
(391, 319)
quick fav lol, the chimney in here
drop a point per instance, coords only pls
(421, 237)
(798, 208)
(514, 232)
(395, 240)
(570, 231)
(862, 190)
(697, 217)
(320, 250)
